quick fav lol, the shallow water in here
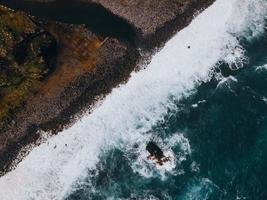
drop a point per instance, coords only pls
(205, 106)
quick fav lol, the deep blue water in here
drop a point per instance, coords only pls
(226, 126)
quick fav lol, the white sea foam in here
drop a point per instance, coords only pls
(49, 171)
(263, 67)
(137, 155)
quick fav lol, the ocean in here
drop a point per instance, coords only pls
(202, 99)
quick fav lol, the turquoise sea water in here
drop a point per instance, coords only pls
(225, 124)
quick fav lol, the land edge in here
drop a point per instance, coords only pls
(80, 107)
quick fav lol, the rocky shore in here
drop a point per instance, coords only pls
(51, 71)
(147, 24)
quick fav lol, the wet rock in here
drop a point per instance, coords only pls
(154, 150)
(156, 153)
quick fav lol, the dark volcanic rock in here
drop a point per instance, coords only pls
(154, 150)
(156, 154)
(97, 18)
(150, 22)
(155, 21)
(149, 15)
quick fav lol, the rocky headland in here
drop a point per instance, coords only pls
(58, 58)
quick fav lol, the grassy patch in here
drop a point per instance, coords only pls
(23, 60)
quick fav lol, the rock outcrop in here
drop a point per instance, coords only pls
(156, 154)
(154, 21)
(147, 23)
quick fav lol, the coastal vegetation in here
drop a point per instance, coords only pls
(24, 60)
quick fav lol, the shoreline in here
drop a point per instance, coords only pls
(113, 63)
